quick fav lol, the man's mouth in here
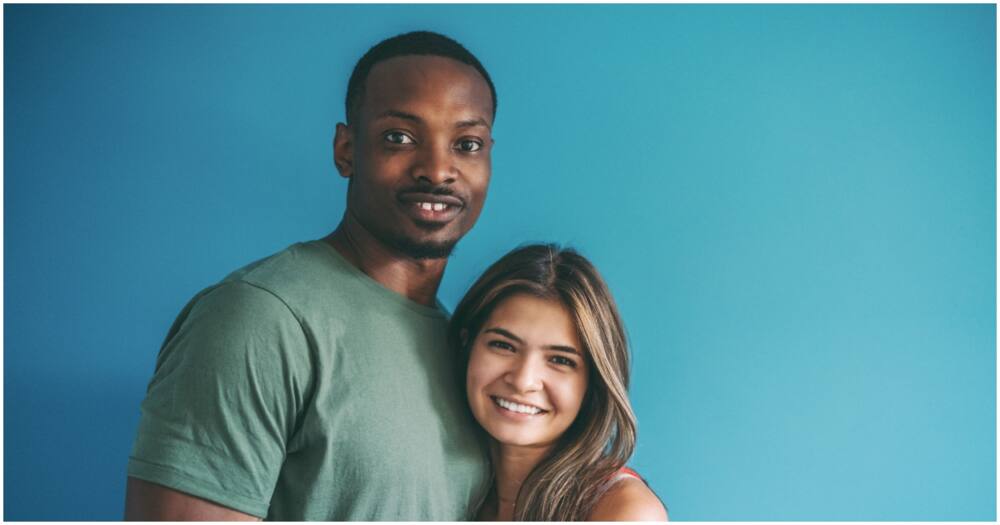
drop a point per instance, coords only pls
(435, 206)
(430, 207)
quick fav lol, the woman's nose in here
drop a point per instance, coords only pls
(525, 375)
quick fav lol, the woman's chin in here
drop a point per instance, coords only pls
(519, 438)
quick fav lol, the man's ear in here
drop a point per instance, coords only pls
(343, 150)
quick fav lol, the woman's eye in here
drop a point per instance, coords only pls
(398, 137)
(469, 145)
(565, 361)
(502, 345)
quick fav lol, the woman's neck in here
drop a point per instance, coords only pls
(512, 465)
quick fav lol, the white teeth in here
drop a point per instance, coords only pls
(517, 407)
(435, 206)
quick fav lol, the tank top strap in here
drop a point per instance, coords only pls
(626, 472)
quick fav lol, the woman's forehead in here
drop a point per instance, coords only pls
(535, 321)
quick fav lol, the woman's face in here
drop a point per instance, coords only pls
(527, 373)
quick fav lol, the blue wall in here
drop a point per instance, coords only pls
(794, 205)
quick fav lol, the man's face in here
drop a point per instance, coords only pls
(420, 158)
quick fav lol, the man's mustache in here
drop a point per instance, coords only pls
(440, 190)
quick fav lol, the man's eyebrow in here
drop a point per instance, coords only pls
(471, 123)
(395, 113)
(507, 334)
(462, 124)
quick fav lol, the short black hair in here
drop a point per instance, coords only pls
(413, 43)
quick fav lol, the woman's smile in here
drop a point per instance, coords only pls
(507, 405)
(527, 377)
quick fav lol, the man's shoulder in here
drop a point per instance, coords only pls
(302, 261)
(285, 289)
(296, 275)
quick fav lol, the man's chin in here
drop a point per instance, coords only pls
(423, 249)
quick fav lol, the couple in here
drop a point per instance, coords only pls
(326, 383)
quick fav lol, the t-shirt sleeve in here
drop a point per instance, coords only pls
(223, 402)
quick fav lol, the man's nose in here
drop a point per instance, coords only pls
(525, 375)
(436, 165)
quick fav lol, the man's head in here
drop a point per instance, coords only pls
(409, 44)
(417, 143)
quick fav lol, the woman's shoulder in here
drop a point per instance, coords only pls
(629, 499)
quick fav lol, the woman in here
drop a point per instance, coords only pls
(547, 369)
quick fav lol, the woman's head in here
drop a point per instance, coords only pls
(527, 373)
(547, 362)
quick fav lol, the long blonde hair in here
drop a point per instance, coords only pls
(566, 484)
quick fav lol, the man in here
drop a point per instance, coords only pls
(316, 384)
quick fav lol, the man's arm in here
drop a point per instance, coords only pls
(220, 409)
(145, 501)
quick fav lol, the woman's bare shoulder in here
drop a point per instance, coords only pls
(629, 500)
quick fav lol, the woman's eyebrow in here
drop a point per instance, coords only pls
(509, 335)
(504, 333)
(563, 348)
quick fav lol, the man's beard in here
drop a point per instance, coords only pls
(423, 250)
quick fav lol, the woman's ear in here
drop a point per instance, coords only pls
(463, 336)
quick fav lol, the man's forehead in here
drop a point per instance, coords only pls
(426, 79)
(407, 66)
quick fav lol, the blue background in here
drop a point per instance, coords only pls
(794, 205)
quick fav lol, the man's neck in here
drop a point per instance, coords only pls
(512, 465)
(415, 279)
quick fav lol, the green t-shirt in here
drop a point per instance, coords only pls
(299, 388)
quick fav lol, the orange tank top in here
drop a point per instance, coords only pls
(626, 472)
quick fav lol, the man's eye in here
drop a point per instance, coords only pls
(502, 345)
(565, 361)
(398, 137)
(469, 145)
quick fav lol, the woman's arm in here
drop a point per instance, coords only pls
(629, 500)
